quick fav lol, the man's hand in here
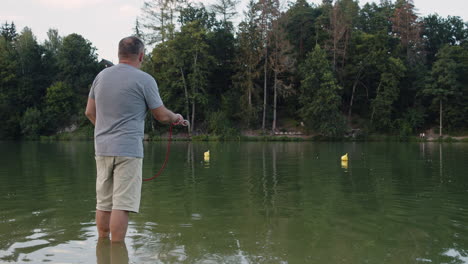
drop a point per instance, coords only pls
(179, 120)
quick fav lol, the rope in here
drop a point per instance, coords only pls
(168, 150)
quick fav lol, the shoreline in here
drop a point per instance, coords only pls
(70, 136)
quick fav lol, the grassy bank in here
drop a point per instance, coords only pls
(81, 134)
(85, 134)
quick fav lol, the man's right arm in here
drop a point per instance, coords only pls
(165, 116)
(91, 110)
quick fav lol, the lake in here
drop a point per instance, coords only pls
(254, 202)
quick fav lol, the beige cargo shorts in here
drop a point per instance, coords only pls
(118, 183)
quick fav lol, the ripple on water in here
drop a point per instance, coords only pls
(460, 256)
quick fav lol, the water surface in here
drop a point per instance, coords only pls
(251, 203)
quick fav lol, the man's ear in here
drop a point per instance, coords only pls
(140, 58)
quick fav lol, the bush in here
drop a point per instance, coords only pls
(220, 125)
(405, 130)
(415, 118)
(59, 106)
(31, 123)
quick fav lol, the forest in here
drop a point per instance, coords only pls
(322, 69)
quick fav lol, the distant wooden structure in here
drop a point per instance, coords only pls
(106, 63)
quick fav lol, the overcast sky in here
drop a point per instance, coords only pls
(105, 22)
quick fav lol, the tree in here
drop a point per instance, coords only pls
(375, 18)
(198, 13)
(222, 48)
(226, 8)
(200, 61)
(247, 60)
(30, 70)
(268, 9)
(77, 61)
(9, 107)
(60, 106)
(368, 54)
(387, 94)
(185, 60)
(52, 46)
(8, 31)
(342, 20)
(137, 31)
(169, 70)
(53, 43)
(407, 28)
(322, 24)
(282, 65)
(300, 27)
(444, 81)
(439, 31)
(319, 99)
(158, 17)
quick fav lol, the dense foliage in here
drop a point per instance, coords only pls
(328, 67)
(43, 88)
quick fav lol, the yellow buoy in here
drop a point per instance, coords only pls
(344, 164)
(344, 157)
(207, 156)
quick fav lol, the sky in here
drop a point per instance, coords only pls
(105, 22)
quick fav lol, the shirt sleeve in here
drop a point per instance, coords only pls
(151, 92)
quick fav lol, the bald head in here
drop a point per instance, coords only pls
(130, 48)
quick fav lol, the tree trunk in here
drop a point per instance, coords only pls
(440, 117)
(171, 26)
(275, 66)
(192, 122)
(189, 128)
(351, 102)
(275, 96)
(345, 48)
(249, 89)
(265, 48)
(163, 26)
(373, 108)
(301, 42)
(352, 94)
(265, 90)
(335, 35)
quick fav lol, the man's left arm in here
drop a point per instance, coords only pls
(91, 110)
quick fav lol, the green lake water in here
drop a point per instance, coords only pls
(251, 203)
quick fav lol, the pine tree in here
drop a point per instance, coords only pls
(158, 18)
(407, 28)
(247, 61)
(319, 99)
(282, 65)
(226, 8)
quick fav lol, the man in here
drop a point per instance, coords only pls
(117, 105)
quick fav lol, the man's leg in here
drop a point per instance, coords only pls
(104, 189)
(126, 196)
(102, 223)
(118, 225)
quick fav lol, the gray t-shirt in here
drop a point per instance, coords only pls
(123, 95)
